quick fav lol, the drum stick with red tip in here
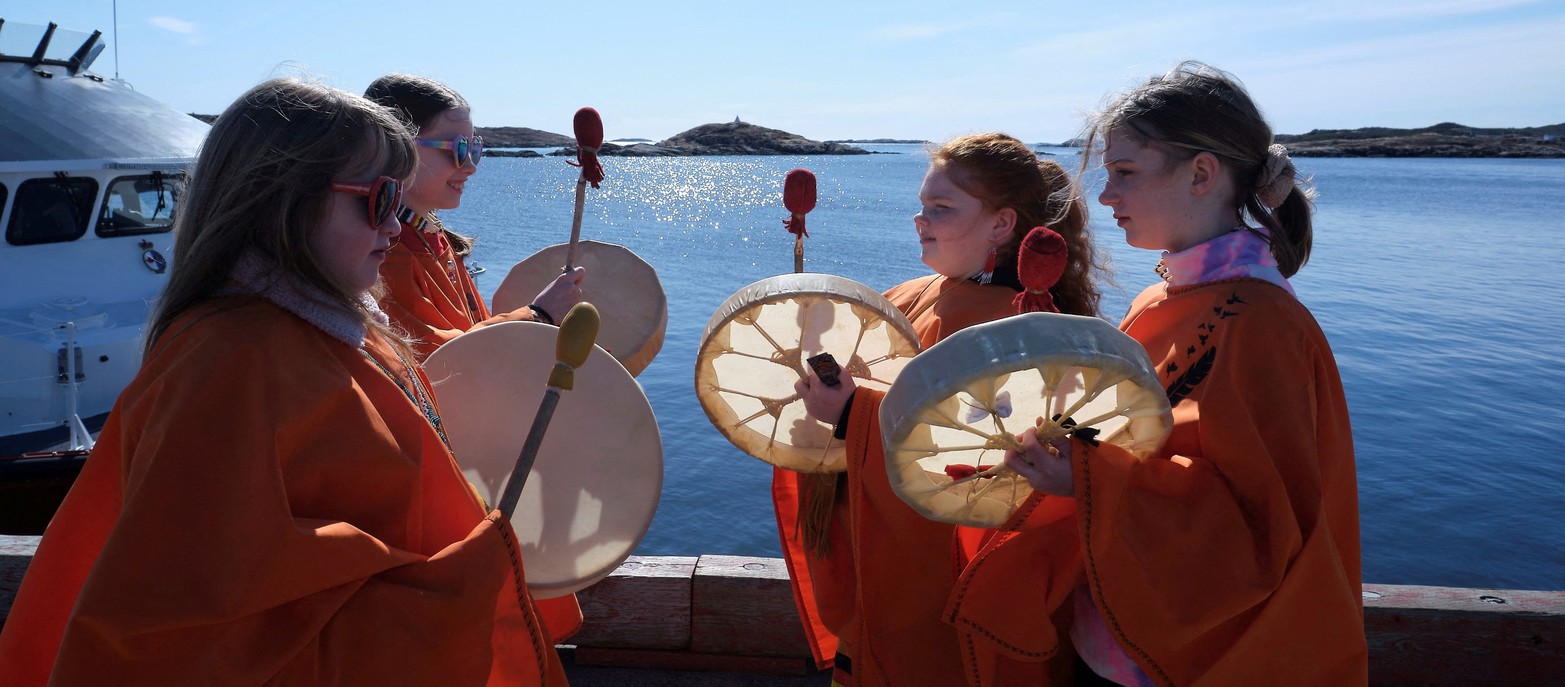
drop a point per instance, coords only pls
(577, 332)
(799, 198)
(589, 138)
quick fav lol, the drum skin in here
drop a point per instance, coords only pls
(965, 400)
(754, 350)
(595, 485)
(624, 288)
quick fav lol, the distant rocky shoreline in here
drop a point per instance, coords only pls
(742, 138)
(1440, 140)
(729, 138)
(881, 141)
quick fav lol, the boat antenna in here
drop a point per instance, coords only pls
(116, 4)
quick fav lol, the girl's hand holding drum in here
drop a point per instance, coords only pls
(823, 401)
(1047, 467)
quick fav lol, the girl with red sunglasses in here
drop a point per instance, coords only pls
(429, 293)
(272, 499)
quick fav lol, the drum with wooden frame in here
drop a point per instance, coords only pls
(956, 408)
(755, 348)
(594, 488)
(624, 288)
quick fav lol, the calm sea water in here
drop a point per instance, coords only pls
(1437, 281)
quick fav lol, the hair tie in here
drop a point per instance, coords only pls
(1276, 179)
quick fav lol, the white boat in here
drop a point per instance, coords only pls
(90, 177)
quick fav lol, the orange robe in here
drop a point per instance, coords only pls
(430, 295)
(884, 585)
(1231, 556)
(266, 506)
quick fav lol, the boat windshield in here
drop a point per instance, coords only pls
(142, 204)
(19, 42)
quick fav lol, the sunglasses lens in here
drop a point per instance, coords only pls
(475, 148)
(383, 202)
(460, 149)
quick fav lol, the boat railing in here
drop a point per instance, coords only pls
(70, 374)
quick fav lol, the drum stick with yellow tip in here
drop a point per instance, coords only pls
(577, 332)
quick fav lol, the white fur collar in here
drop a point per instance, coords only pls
(254, 274)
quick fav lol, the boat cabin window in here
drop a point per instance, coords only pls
(51, 210)
(140, 205)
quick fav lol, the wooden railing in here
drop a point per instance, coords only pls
(735, 613)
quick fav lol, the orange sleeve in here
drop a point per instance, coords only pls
(423, 303)
(523, 314)
(905, 570)
(823, 588)
(561, 615)
(420, 303)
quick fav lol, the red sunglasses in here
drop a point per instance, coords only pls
(384, 194)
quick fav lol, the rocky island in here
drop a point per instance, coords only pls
(1440, 140)
(901, 141)
(729, 138)
(521, 137)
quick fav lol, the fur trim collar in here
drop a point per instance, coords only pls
(257, 275)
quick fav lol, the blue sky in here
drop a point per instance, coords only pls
(852, 68)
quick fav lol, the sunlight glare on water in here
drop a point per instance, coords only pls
(1437, 282)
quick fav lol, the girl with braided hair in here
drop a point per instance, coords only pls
(1231, 556)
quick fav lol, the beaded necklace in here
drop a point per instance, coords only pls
(418, 395)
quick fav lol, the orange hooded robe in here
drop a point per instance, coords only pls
(266, 506)
(1232, 555)
(878, 596)
(430, 295)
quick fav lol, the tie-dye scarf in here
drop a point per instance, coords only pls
(1238, 253)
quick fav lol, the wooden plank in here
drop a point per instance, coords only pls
(15, 554)
(685, 660)
(743, 605)
(732, 613)
(1478, 637)
(644, 604)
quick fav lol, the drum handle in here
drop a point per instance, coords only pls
(577, 331)
(581, 200)
(588, 126)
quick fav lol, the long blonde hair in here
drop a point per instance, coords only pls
(262, 185)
